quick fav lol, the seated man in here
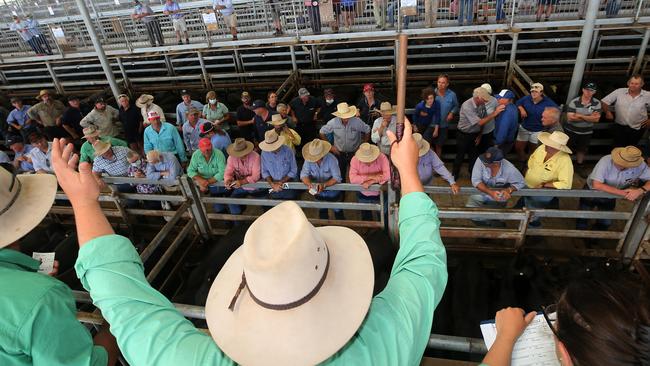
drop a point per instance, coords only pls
(91, 134)
(278, 165)
(22, 161)
(41, 154)
(429, 162)
(242, 167)
(291, 137)
(138, 169)
(192, 129)
(387, 122)
(369, 166)
(549, 166)
(206, 168)
(321, 170)
(163, 166)
(496, 178)
(112, 161)
(338, 326)
(218, 136)
(622, 173)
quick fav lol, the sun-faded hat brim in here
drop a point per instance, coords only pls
(33, 203)
(368, 159)
(264, 146)
(92, 134)
(239, 154)
(422, 150)
(618, 159)
(314, 158)
(307, 334)
(545, 138)
(278, 123)
(349, 114)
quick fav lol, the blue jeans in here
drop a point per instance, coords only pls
(241, 193)
(481, 200)
(612, 8)
(391, 16)
(329, 196)
(501, 14)
(216, 191)
(368, 215)
(127, 188)
(285, 194)
(602, 204)
(540, 202)
(465, 11)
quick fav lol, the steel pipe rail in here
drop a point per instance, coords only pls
(170, 251)
(530, 192)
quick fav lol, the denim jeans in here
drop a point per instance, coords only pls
(602, 204)
(216, 191)
(501, 13)
(540, 202)
(392, 11)
(481, 200)
(465, 11)
(241, 193)
(368, 215)
(329, 196)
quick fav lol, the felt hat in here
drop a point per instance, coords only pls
(343, 110)
(272, 141)
(277, 120)
(101, 147)
(143, 100)
(367, 153)
(627, 157)
(25, 199)
(423, 145)
(291, 294)
(315, 150)
(41, 93)
(240, 148)
(90, 131)
(556, 140)
(386, 108)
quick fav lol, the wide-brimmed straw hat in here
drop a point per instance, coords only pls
(627, 157)
(387, 108)
(556, 140)
(90, 131)
(315, 150)
(292, 294)
(101, 147)
(42, 92)
(423, 145)
(143, 100)
(24, 203)
(367, 153)
(240, 148)
(272, 141)
(343, 110)
(277, 120)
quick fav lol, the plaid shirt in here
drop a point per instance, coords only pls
(116, 167)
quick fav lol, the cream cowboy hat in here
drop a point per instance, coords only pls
(292, 294)
(43, 92)
(240, 148)
(423, 145)
(367, 153)
(277, 120)
(90, 131)
(627, 157)
(316, 150)
(101, 147)
(387, 108)
(343, 110)
(23, 203)
(143, 100)
(556, 140)
(271, 141)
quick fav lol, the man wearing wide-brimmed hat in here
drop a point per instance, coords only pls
(291, 137)
(429, 162)
(48, 114)
(146, 105)
(91, 134)
(112, 161)
(279, 165)
(387, 122)
(622, 173)
(242, 167)
(549, 166)
(292, 294)
(349, 132)
(39, 324)
(369, 166)
(321, 170)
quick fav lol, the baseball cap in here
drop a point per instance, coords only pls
(100, 100)
(492, 155)
(184, 92)
(303, 92)
(487, 87)
(13, 139)
(73, 97)
(258, 103)
(153, 115)
(505, 93)
(537, 87)
(369, 86)
(205, 144)
(15, 99)
(590, 86)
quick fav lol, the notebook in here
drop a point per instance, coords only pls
(535, 347)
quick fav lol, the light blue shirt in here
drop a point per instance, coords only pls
(174, 6)
(167, 140)
(448, 103)
(507, 176)
(606, 172)
(347, 137)
(320, 173)
(4, 158)
(228, 10)
(191, 135)
(19, 116)
(182, 108)
(221, 142)
(33, 27)
(279, 164)
(41, 160)
(429, 163)
(169, 163)
(25, 166)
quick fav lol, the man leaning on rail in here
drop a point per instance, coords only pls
(291, 294)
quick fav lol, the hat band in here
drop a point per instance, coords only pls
(629, 161)
(15, 197)
(243, 284)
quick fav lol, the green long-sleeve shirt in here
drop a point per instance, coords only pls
(150, 331)
(207, 169)
(87, 152)
(38, 324)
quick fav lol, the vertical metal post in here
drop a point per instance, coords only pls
(125, 76)
(638, 11)
(583, 49)
(108, 71)
(206, 77)
(197, 209)
(55, 79)
(169, 65)
(294, 63)
(594, 43)
(642, 49)
(512, 14)
(513, 58)
(637, 229)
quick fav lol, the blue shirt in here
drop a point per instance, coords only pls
(506, 124)
(431, 119)
(182, 108)
(533, 121)
(191, 135)
(279, 164)
(430, 162)
(18, 116)
(167, 140)
(25, 166)
(320, 173)
(507, 176)
(606, 172)
(448, 104)
(172, 7)
(169, 163)
(221, 142)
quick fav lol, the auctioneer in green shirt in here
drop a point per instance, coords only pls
(38, 323)
(150, 331)
(87, 152)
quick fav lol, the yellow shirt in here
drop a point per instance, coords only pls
(291, 139)
(558, 169)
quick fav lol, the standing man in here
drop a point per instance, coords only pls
(313, 13)
(582, 113)
(228, 12)
(291, 137)
(487, 132)
(48, 114)
(278, 166)
(262, 119)
(146, 105)
(304, 111)
(328, 105)
(448, 103)
(39, 37)
(368, 104)
(144, 13)
(531, 108)
(506, 123)
(22, 28)
(172, 9)
(349, 133)
(131, 119)
(184, 106)
(71, 119)
(192, 130)
(18, 119)
(387, 122)
(246, 117)
(164, 137)
(105, 117)
(632, 105)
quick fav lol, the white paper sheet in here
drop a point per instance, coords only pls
(535, 347)
(47, 262)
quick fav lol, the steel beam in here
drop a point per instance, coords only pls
(55, 79)
(198, 211)
(583, 49)
(170, 251)
(641, 55)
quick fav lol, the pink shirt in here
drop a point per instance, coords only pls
(360, 172)
(247, 168)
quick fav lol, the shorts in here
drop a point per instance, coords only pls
(179, 25)
(547, 2)
(442, 136)
(525, 135)
(578, 142)
(230, 20)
